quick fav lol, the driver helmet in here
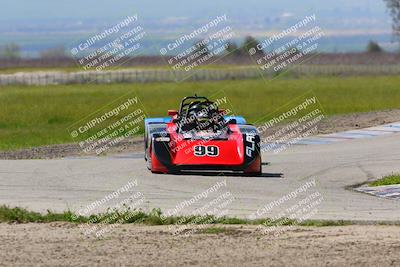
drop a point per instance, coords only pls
(199, 115)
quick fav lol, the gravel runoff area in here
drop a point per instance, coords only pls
(332, 124)
(63, 244)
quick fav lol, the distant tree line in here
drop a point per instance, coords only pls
(13, 51)
(10, 51)
(232, 48)
(250, 42)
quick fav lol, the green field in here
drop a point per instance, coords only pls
(34, 115)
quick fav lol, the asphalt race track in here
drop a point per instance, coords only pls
(73, 183)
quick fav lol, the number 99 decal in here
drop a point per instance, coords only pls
(201, 151)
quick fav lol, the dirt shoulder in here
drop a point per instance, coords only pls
(134, 144)
(329, 125)
(63, 244)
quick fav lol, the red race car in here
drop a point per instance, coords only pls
(200, 137)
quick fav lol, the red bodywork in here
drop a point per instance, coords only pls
(231, 153)
(199, 137)
(230, 150)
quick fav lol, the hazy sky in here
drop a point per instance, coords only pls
(40, 24)
(106, 9)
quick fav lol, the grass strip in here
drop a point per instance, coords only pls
(387, 180)
(154, 217)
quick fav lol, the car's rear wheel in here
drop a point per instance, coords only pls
(255, 168)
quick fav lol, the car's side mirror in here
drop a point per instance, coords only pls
(172, 112)
(232, 121)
